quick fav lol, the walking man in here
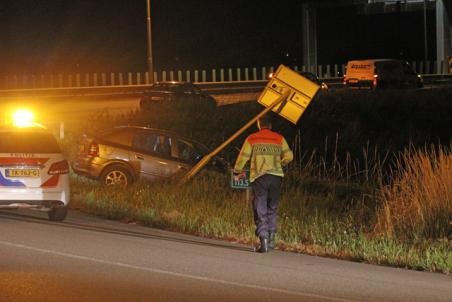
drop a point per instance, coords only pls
(268, 152)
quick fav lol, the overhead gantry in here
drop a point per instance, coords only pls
(443, 14)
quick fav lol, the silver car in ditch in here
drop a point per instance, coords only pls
(125, 154)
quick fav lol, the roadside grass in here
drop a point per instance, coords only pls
(418, 202)
(324, 222)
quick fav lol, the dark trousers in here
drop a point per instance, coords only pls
(267, 189)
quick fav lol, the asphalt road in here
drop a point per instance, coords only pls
(90, 259)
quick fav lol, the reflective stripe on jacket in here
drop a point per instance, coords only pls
(268, 152)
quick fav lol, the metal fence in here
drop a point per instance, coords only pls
(201, 76)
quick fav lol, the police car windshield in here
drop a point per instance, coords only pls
(28, 142)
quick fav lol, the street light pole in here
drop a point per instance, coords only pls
(149, 34)
(425, 32)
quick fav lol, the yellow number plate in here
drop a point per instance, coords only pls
(22, 172)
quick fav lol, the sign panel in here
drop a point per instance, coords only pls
(302, 91)
(240, 180)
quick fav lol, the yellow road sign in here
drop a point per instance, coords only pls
(302, 91)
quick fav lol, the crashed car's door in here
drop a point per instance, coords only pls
(155, 152)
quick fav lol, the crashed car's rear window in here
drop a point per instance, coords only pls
(119, 136)
(28, 142)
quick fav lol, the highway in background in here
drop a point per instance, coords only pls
(71, 110)
(71, 106)
(90, 259)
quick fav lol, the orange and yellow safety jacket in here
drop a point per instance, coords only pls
(268, 151)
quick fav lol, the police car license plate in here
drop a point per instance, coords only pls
(22, 172)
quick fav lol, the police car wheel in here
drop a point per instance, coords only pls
(116, 175)
(57, 213)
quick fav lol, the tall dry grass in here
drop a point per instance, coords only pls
(418, 202)
(327, 164)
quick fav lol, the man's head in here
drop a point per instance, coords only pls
(264, 122)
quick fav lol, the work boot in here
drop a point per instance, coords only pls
(271, 240)
(263, 247)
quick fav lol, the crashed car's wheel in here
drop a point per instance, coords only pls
(116, 175)
(57, 213)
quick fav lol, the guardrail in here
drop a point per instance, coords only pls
(221, 75)
(133, 79)
(209, 87)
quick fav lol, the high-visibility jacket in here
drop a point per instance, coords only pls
(268, 152)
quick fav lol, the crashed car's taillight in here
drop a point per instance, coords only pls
(93, 149)
(61, 167)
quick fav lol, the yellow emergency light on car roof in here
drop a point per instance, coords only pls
(24, 118)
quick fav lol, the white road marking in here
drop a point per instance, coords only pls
(169, 273)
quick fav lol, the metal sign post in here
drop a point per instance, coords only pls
(209, 156)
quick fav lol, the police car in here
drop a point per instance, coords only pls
(33, 171)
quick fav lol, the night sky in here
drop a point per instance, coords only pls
(55, 36)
